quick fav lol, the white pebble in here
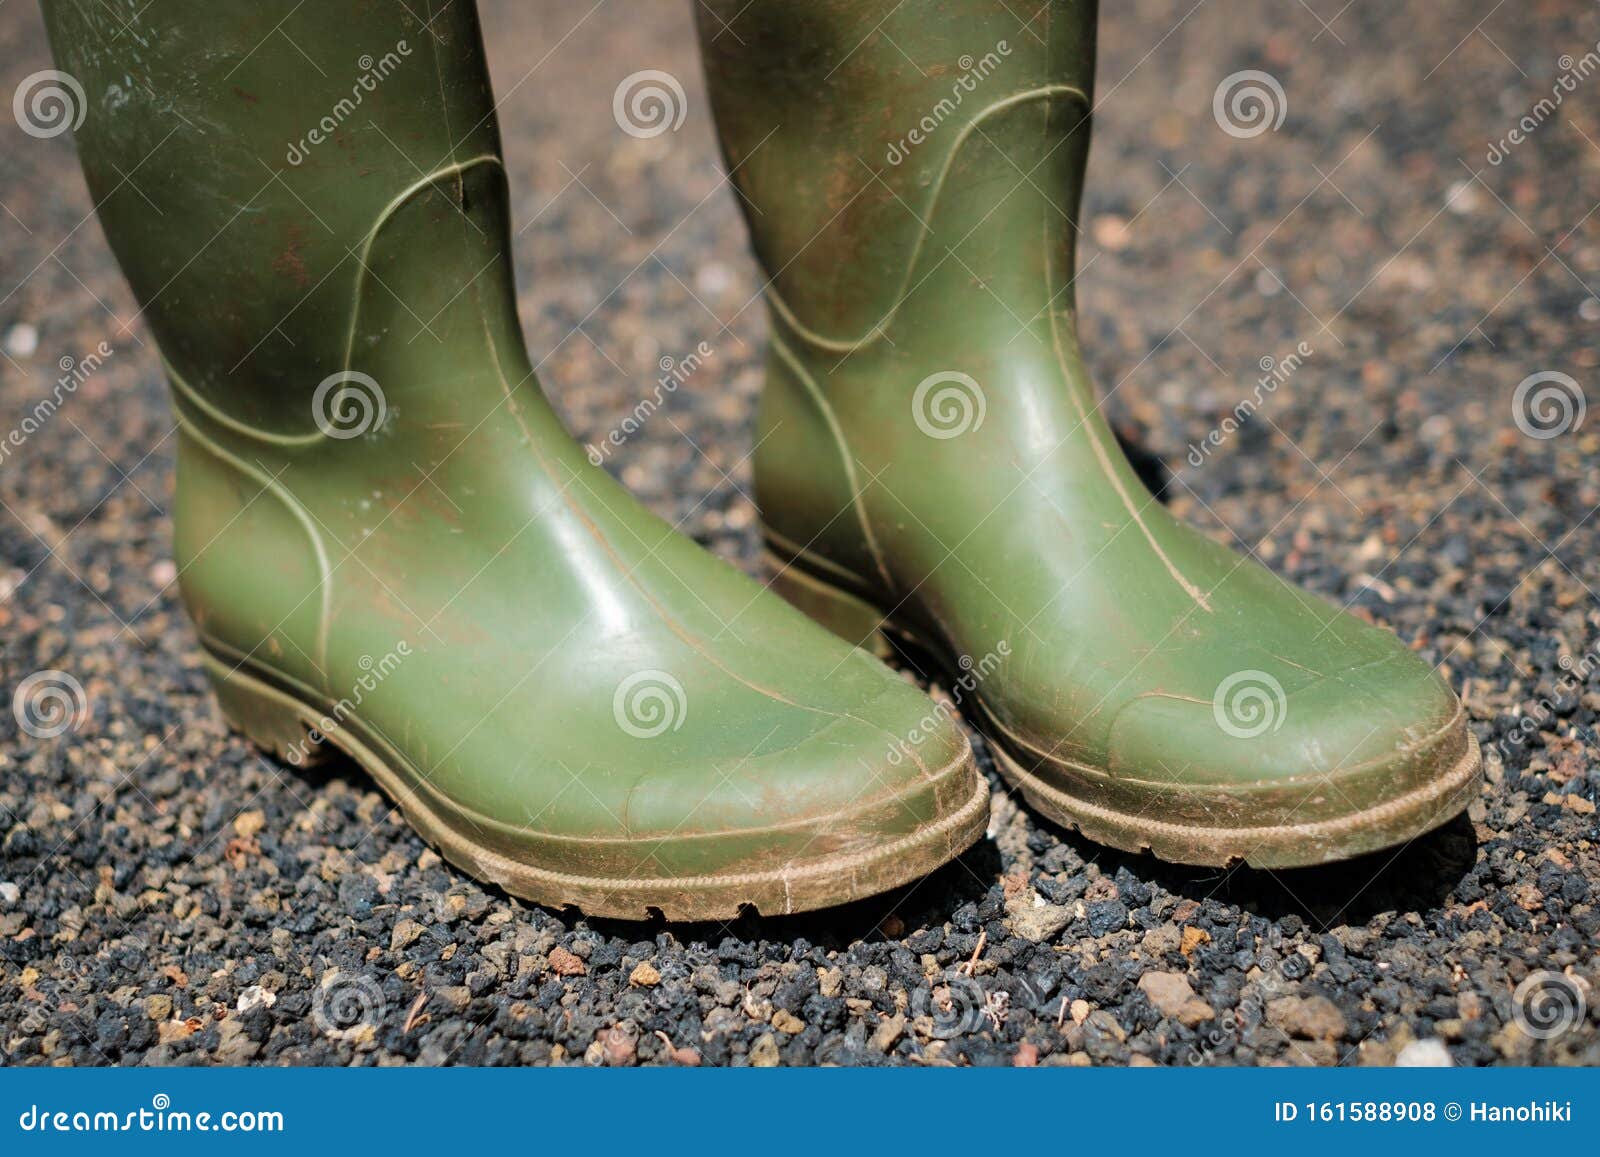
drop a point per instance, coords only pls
(22, 340)
(1462, 198)
(255, 997)
(1428, 1053)
(1434, 428)
(713, 278)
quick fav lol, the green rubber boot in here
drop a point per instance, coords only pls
(386, 540)
(933, 464)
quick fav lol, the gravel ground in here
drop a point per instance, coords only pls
(167, 896)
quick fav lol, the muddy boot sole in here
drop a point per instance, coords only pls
(297, 729)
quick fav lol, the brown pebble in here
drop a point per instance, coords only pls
(564, 963)
(618, 1045)
(1312, 1018)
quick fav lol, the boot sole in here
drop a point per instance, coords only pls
(281, 722)
(1395, 821)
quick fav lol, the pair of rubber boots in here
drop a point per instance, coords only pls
(391, 547)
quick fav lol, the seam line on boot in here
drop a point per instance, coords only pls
(283, 494)
(820, 400)
(878, 328)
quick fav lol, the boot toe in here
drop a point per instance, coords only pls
(755, 800)
(892, 770)
(1282, 766)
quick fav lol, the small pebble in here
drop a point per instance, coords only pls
(1428, 1053)
(22, 340)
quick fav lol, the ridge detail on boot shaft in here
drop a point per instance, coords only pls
(848, 115)
(236, 231)
(238, 523)
(983, 330)
(326, 408)
(924, 230)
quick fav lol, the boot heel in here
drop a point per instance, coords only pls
(850, 618)
(264, 715)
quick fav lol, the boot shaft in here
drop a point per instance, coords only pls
(243, 161)
(912, 186)
(844, 127)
